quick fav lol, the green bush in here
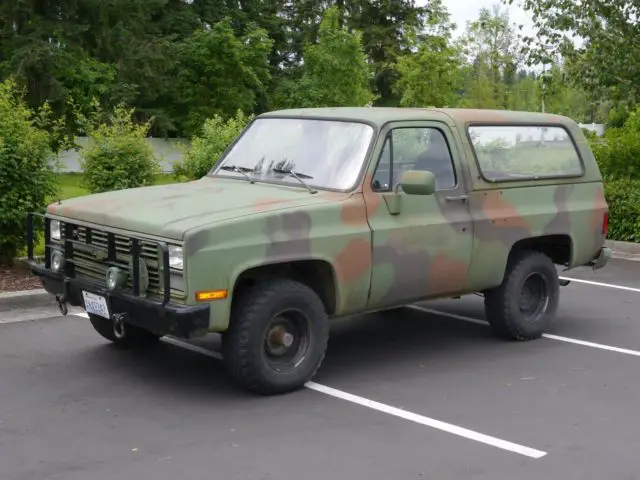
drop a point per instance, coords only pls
(118, 155)
(623, 197)
(27, 170)
(618, 151)
(216, 135)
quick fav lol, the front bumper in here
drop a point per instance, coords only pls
(176, 320)
(158, 316)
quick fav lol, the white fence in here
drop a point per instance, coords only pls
(593, 127)
(167, 151)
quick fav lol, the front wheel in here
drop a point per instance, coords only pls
(123, 334)
(523, 306)
(277, 337)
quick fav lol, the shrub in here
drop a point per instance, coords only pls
(618, 152)
(118, 155)
(27, 170)
(216, 135)
(623, 197)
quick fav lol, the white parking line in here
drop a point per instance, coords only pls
(545, 335)
(381, 407)
(600, 284)
(429, 422)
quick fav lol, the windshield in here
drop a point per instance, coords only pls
(323, 153)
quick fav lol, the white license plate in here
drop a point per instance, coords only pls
(95, 304)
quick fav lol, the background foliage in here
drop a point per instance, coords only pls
(118, 155)
(26, 169)
(209, 145)
(123, 69)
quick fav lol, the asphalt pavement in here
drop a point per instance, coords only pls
(426, 392)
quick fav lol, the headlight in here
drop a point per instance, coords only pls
(175, 257)
(54, 230)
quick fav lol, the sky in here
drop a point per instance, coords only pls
(463, 11)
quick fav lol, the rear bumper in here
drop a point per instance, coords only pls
(156, 316)
(602, 258)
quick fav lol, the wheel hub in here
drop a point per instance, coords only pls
(533, 296)
(286, 340)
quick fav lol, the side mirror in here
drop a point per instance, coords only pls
(418, 182)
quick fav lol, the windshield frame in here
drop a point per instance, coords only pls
(217, 172)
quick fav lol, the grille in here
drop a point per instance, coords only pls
(87, 266)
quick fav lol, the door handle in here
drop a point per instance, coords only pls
(459, 198)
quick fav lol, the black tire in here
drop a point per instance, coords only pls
(130, 336)
(250, 347)
(528, 272)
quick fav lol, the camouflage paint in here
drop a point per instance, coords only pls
(434, 247)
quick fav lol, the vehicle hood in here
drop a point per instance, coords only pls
(169, 211)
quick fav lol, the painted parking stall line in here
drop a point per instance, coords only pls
(388, 409)
(600, 284)
(575, 341)
(429, 422)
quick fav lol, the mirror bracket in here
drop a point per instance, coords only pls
(393, 201)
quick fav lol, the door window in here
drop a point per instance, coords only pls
(414, 148)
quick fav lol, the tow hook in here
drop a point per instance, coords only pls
(62, 304)
(118, 325)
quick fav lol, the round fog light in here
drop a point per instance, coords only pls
(57, 260)
(116, 278)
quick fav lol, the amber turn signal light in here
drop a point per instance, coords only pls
(210, 295)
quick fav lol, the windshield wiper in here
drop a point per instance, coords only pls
(296, 176)
(242, 170)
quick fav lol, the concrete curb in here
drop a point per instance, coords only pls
(625, 250)
(26, 299)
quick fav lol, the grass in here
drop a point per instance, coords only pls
(71, 186)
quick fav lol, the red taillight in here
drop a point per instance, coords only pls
(605, 223)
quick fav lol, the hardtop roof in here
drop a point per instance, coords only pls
(382, 115)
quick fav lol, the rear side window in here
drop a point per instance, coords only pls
(523, 152)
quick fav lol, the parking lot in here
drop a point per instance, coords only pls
(426, 392)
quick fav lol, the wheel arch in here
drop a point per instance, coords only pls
(558, 247)
(316, 273)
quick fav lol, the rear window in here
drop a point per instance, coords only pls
(522, 152)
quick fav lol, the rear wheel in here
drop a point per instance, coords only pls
(277, 336)
(523, 306)
(123, 334)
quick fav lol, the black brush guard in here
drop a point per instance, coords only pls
(161, 317)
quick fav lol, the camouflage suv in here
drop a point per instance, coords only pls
(314, 214)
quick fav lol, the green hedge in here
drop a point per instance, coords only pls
(623, 197)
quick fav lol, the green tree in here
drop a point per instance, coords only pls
(607, 58)
(335, 70)
(490, 43)
(433, 74)
(218, 73)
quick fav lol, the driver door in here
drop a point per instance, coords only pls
(424, 250)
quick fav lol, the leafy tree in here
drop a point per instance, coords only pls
(433, 74)
(219, 73)
(607, 58)
(491, 47)
(335, 70)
